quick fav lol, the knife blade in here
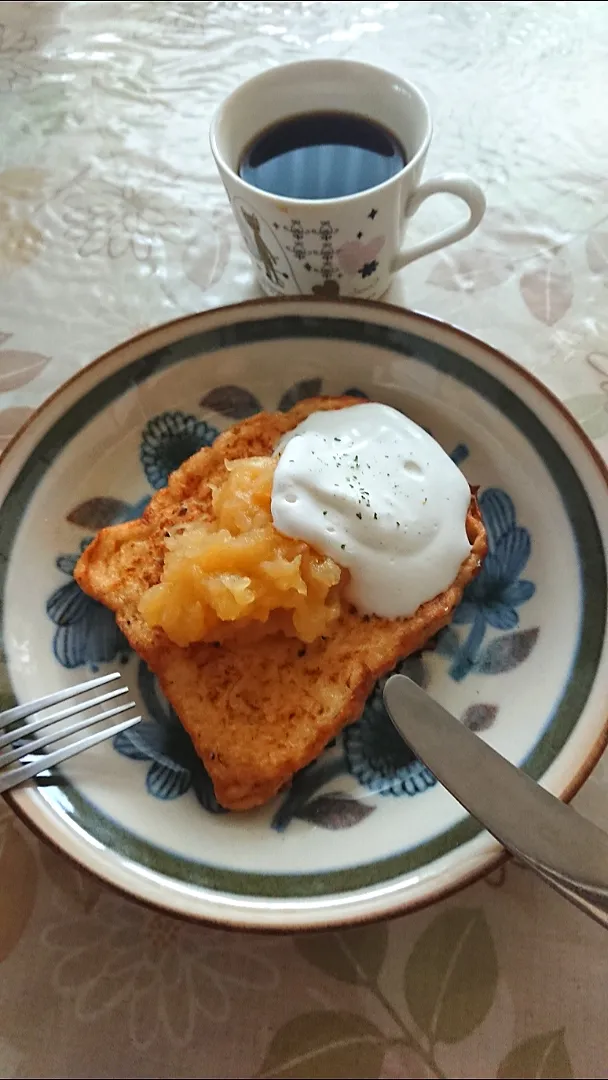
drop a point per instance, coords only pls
(568, 851)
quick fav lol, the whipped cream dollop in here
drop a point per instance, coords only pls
(372, 490)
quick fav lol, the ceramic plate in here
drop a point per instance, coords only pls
(365, 830)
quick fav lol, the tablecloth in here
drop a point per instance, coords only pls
(112, 219)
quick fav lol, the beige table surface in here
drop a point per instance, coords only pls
(112, 219)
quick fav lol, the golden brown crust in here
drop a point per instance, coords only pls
(256, 713)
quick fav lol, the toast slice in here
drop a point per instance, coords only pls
(256, 712)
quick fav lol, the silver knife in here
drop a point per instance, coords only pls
(569, 852)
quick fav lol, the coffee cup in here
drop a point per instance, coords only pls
(313, 133)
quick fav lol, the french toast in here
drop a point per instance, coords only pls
(256, 711)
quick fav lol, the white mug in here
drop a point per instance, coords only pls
(346, 246)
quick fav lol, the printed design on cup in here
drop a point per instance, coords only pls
(314, 249)
(264, 253)
(264, 247)
(291, 255)
(359, 257)
(329, 290)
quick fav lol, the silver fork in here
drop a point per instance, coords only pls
(22, 762)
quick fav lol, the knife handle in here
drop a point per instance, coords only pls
(568, 851)
(590, 899)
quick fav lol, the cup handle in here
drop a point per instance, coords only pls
(462, 186)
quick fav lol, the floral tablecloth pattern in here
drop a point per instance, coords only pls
(112, 219)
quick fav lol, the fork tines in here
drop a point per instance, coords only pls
(19, 740)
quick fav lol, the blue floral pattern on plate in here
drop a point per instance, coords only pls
(174, 766)
(86, 632)
(376, 755)
(493, 599)
(369, 751)
(168, 440)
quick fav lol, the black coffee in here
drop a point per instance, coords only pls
(321, 155)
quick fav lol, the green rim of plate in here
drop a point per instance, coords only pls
(578, 508)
